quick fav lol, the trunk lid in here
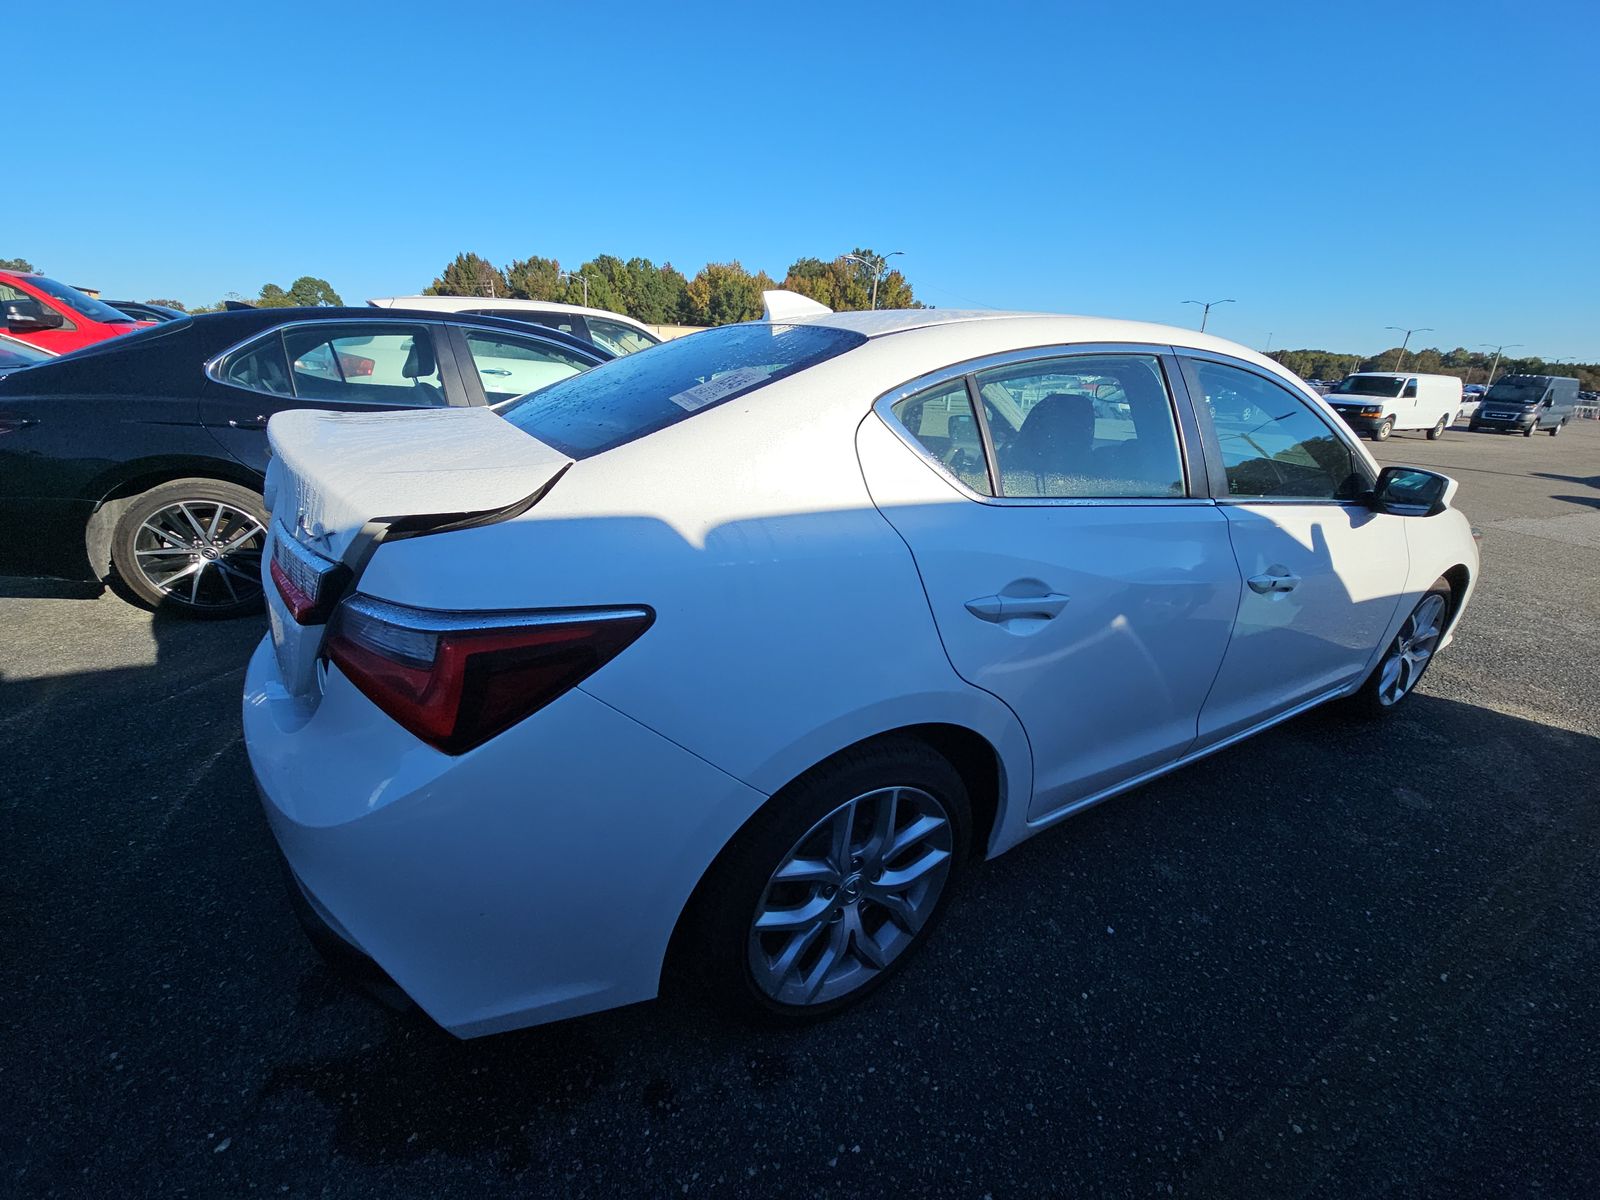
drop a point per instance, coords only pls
(338, 483)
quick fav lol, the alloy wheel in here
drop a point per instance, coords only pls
(851, 896)
(202, 553)
(1413, 647)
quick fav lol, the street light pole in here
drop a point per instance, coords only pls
(1489, 382)
(1401, 357)
(877, 269)
(1267, 349)
(1205, 309)
(568, 277)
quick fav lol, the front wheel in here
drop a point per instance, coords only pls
(1437, 431)
(1528, 432)
(1384, 429)
(1556, 428)
(1402, 666)
(193, 547)
(831, 887)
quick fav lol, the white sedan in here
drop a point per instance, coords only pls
(721, 662)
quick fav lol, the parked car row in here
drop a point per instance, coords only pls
(1380, 403)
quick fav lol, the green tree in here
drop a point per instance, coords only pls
(534, 279)
(469, 275)
(722, 293)
(845, 283)
(311, 292)
(272, 296)
(21, 265)
(177, 304)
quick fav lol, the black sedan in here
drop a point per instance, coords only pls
(140, 460)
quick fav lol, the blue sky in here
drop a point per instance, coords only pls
(1334, 168)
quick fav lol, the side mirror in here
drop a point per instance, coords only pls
(1412, 492)
(29, 316)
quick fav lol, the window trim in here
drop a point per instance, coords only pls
(1217, 473)
(1192, 458)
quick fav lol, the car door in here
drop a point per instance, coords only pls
(499, 365)
(1071, 569)
(1323, 572)
(350, 366)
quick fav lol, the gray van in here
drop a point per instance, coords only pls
(1527, 403)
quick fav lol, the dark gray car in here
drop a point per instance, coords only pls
(1527, 404)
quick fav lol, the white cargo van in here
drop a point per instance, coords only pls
(1381, 402)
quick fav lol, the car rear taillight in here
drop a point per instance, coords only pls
(353, 365)
(309, 584)
(455, 680)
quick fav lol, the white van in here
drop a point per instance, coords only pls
(1381, 402)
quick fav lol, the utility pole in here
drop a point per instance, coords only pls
(1489, 382)
(1267, 349)
(1205, 309)
(1401, 357)
(877, 269)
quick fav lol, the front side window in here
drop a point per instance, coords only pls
(1273, 445)
(942, 421)
(617, 337)
(511, 366)
(1097, 426)
(382, 364)
(639, 394)
(1411, 390)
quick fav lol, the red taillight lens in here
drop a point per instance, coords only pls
(353, 365)
(456, 680)
(309, 584)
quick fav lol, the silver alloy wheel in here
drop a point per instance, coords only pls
(850, 896)
(1412, 648)
(203, 553)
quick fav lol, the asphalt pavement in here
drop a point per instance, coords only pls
(1338, 960)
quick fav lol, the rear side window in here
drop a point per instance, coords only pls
(942, 421)
(639, 394)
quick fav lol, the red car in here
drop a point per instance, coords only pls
(57, 317)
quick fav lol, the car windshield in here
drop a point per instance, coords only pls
(1368, 385)
(95, 310)
(19, 354)
(1518, 392)
(639, 394)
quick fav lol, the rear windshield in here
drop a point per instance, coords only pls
(1369, 385)
(630, 397)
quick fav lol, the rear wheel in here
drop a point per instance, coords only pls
(1384, 429)
(829, 889)
(1556, 428)
(1437, 431)
(193, 546)
(1402, 666)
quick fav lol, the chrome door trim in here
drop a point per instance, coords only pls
(884, 404)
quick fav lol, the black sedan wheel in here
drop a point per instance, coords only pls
(194, 547)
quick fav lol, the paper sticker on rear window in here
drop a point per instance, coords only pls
(713, 390)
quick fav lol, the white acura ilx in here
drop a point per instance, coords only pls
(727, 657)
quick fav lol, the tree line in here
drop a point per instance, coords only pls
(1470, 366)
(718, 294)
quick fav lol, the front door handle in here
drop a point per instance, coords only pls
(258, 423)
(1267, 584)
(1009, 608)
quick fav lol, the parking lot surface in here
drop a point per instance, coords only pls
(1338, 960)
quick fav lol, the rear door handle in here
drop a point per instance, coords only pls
(1266, 584)
(258, 423)
(1009, 608)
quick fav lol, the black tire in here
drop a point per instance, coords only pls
(1473, 427)
(219, 583)
(1367, 702)
(712, 953)
(1437, 431)
(1556, 428)
(1384, 429)
(1529, 431)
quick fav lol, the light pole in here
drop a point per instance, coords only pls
(877, 269)
(1205, 309)
(1489, 382)
(1401, 357)
(568, 277)
(1267, 349)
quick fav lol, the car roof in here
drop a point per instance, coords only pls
(461, 303)
(240, 323)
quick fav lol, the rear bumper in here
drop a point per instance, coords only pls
(537, 877)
